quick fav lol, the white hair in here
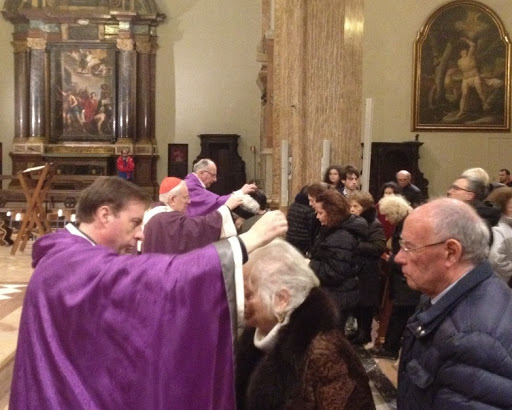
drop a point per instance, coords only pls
(166, 195)
(395, 207)
(278, 266)
(202, 164)
(453, 219)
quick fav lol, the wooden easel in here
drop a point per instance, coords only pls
(36, 215)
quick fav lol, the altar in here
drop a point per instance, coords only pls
(84, 90)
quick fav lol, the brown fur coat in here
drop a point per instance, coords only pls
(312, 365)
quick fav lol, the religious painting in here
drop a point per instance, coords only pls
(462, 70)
(177, 162)
(83, 93)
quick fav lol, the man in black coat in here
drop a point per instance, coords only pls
(457, 349)
(410, 191)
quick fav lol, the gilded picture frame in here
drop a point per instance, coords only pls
(82, 92)
(462, 70)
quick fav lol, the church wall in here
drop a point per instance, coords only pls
(390, 29)
(206, 75)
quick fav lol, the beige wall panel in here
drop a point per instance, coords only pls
(500, 156)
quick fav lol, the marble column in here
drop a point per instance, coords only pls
(144, 128)
(21, 90)
(317, 82)
(126, 92)
(37, 98)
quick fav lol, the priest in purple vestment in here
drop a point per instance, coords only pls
(167, 229)
(202, 201)
(103, 329)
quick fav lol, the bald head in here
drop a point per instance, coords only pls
(441, 241)
(403, 178)
(206, 171)
(450, 218)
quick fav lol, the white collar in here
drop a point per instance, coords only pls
(201, 182)
(267, 342)
(72, 229)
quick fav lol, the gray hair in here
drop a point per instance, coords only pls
(175, 191)
(277, 266)
(395, 207)
(403, 172)
(477, 173)
(453, 219)
(202, 164)
(477, 185)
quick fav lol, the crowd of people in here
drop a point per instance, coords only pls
(208, 301)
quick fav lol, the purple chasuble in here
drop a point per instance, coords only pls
(202, 201)
(175, 232)
(100, 330)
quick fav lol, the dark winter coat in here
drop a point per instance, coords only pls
(312, 366)
(401, 294)
(332, 260)
(457, 354)
(368, 255)
(302, 226)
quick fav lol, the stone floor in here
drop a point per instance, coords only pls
(15, 272)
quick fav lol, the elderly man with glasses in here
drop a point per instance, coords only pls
(473, 190)
(457, 349)
(202, 201)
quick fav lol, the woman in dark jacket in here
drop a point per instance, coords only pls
(301, 222)
(332, 254)
(396, 208)
(368, 256)
(293, 356)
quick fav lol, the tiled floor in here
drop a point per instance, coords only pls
(15, 272)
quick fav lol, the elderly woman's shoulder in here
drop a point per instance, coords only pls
(333, 362)
(332, 344)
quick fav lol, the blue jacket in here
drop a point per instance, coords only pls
(457, 354)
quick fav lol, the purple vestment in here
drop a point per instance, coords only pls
(202, 201)
(102, 330)
(175, 232)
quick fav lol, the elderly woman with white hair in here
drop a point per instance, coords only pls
(395, 209)
(294, 356)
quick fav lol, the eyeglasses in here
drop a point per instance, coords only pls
(459, 188)
(211, 173)
(407, 248)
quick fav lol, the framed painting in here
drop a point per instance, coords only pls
(83, 92)
(177, 160)
(462, 70)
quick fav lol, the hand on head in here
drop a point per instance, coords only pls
(269, 226)
(234, 201)
(248, 188)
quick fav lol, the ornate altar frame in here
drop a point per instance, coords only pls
(98, 56)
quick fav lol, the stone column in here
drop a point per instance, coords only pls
(144, 100)
(37, 97)
(317, 85)
(21, 90)
(126, 92)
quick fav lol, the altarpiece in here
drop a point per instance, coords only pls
(84, 87)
